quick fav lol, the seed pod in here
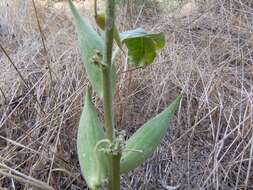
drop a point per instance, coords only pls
(100, 20)
(90, 45)
(93, 162)
(145, 140)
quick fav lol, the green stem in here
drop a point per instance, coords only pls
(107, 61)
(114, 160)
(107, 102)
(116, 172)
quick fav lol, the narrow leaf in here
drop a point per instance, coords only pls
(90, 44)
(144, 141)
(142, 46)
(93, 162)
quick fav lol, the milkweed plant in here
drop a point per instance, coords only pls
(104, 154)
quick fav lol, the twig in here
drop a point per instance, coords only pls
(130, 70)
(42, 39)
(2, 92)
(20, 75)
(24, 178)
(12, 63)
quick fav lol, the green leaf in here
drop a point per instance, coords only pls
(93, 162)
(144, 141)
(90, 44)
(142, 46)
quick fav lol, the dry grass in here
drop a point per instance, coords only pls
(208, 55)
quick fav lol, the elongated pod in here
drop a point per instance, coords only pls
(100, 20)
(92, 161)
(91, 47)
(145, 140)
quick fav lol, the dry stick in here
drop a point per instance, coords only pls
(16, 167)
(2, 92)
(55, 147)
(32, 150)
(21, 76)
(29, 91)
(45, 147)
(42, 39)
(133, 69)
(24, 178)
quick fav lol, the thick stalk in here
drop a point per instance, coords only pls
(107, 103)
(114, 160)
(116, 172)
(107, 62)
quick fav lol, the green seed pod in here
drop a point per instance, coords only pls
(92, 161)
(100, 20)
(90, 45)
(145, 140)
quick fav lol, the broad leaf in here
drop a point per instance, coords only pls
(89, 133)
(144, 141)
(142, 46)
(90, 44)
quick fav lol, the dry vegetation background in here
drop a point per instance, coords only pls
(209, 55)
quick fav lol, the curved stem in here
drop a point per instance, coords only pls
(107, 141)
